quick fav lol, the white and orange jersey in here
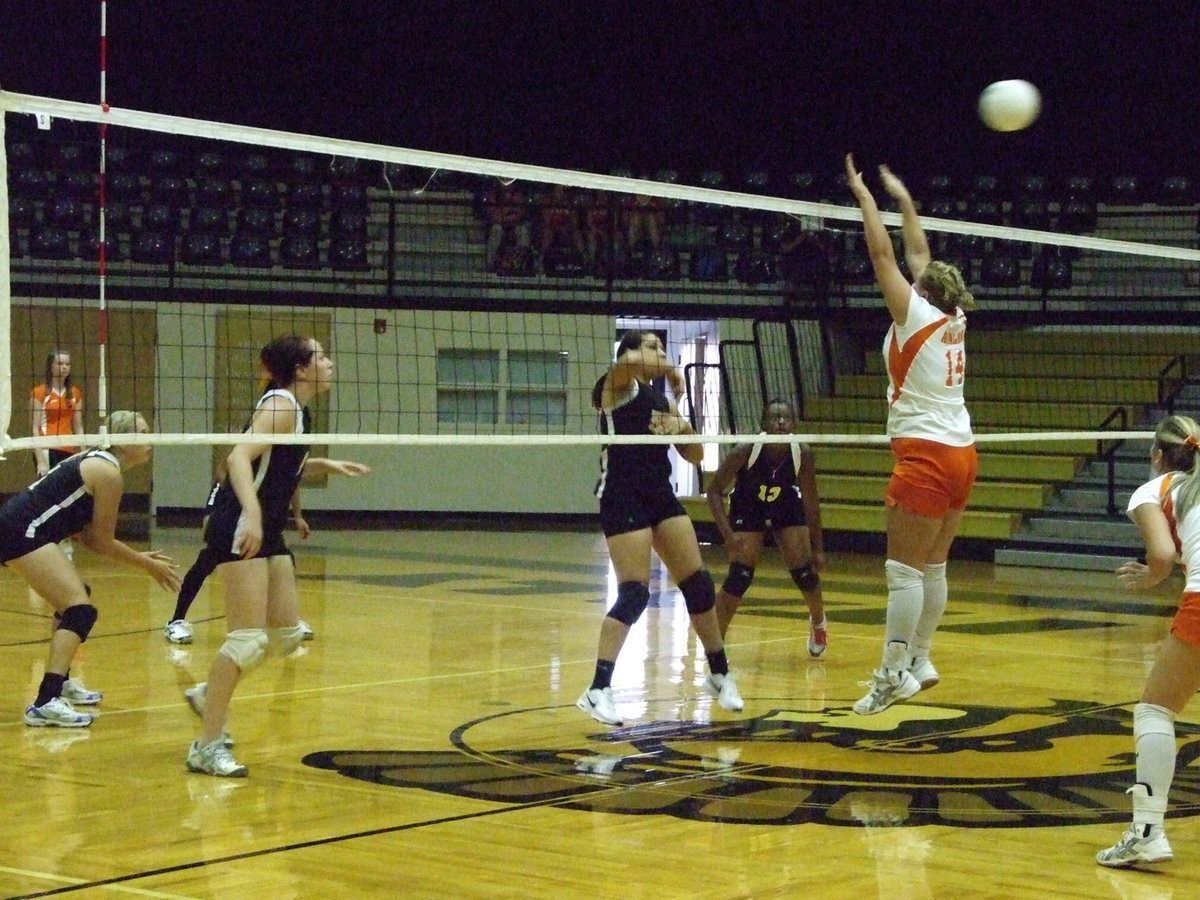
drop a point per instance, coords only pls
(926, 363)
(1186, 534)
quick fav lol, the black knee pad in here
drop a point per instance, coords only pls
(699, 595)
(806, 579)
(79, 619)
(632, 598)
(737, 582)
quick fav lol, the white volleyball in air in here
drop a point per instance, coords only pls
(1009, 105)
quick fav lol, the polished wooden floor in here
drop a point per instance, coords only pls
(426, 743)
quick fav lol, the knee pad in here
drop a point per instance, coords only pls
(79, 619)
(282, 641)
(246, 647)
(900, 576)
(737, 582)
(1149, 718)
(805, 577)
(632, 599)
(699, 594)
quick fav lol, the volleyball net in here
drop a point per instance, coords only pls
(472, 303)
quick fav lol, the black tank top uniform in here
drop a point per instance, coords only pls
(51, 509)
(634, 488)
(277, 474)
(766, 492)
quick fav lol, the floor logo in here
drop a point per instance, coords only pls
(1066, 763)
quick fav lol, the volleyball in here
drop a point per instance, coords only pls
(1009, 105)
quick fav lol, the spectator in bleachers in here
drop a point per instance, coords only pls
(601, 235)
(804, 260)
(644, 221)
(506, 217)
(559, 226)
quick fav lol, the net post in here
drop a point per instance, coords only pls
(5, 293)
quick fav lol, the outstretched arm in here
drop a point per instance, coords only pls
(896, 289)
(916, 247)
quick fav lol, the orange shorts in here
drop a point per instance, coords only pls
(930, 479)
(1186, 624)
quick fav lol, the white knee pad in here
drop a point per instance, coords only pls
(246, 647)
(901, 577)
(282, 641)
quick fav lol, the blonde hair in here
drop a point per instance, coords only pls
(945, 288)
(123, 421)
(1178, 437)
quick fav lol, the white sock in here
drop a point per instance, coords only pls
(1154, 738)
(933, 604)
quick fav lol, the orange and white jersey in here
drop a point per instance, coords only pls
(58, 411)
(926, 362)
(1186, 533)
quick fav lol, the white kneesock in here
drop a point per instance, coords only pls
(905, 599)
(935, 591)
(1154, 738)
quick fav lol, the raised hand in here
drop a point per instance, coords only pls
(892, 184)
(854, 179)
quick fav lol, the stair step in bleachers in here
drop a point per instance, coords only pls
(987, 524)
(1013, 416)
(1066, 365)
(1030, 467)
(1093, 388)
(987, 494)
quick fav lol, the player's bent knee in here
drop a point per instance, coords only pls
(246, 648)
(805, 577)
(737, 582)
(282, 641)
(699, 593)
(632, 599)
(78, 619)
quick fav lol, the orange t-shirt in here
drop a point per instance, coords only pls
(58, 409)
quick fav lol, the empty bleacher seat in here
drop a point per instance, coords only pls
(256, 220)
(299, 251)
(200, 248)
(89, 247)
(1000, 270)
(250, 250)
(348, 254)
(152, 247)
(50, 242)
(161, 217)
(208, 220)
(1051, 270)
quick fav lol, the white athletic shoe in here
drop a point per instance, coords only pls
(178, 631)
(306, 632)
(1137, 847)
(57, 712)
(214, 759)
(885, 689)
(922, 669)
(598, 703)
(77, 694)
(196, 696)
(724, 687)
